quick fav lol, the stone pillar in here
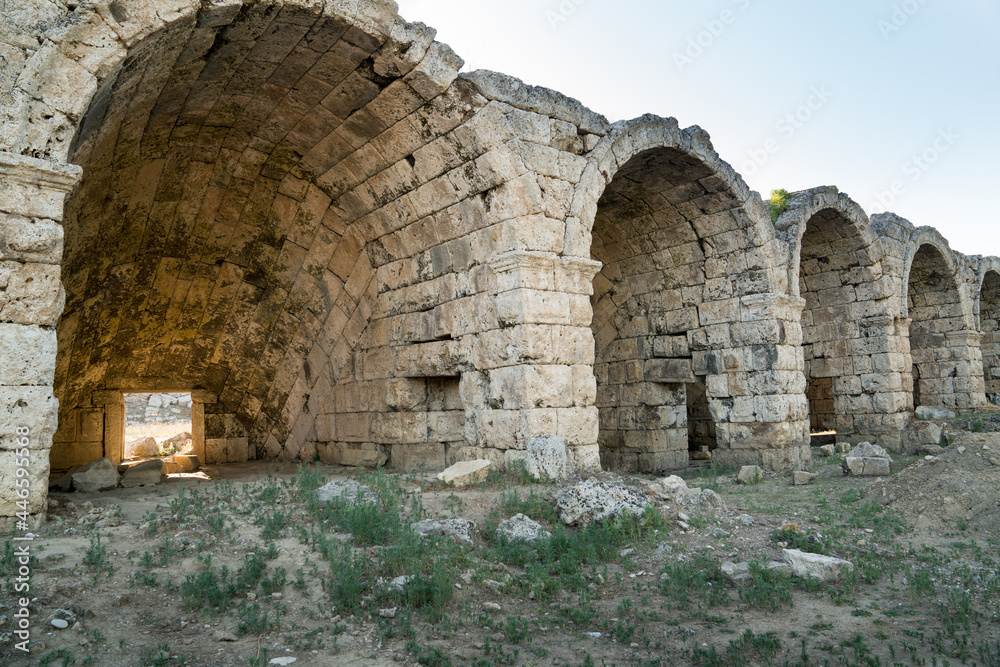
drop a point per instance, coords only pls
(114, 422)
(874, 394)
(32, 194)
(199, 397)
(757, 388)
(534, 375)
(965, 369)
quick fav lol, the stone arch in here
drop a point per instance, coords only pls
(253, 173)
(945, 359)
(854, 357)
(668, 219)
(988, 316)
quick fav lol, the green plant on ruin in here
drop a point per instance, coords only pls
(778, 203)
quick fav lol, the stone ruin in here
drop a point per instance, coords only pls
(302, 213)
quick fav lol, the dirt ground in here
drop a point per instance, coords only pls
(240, 567)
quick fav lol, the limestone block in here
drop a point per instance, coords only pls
(465, 473)
(33, 407)
(37, 466)
(97, 475)
(142, 448)
(546, 458)
(866, 460)
(147, 473)
(368, 458)
(186, 462)
(521, 528)
(932, 412)
(750, 475)
(27, 355)
(919, 434)
(801, 478)
(594, 500)
(30, 240)
(414, 457)
(816, 566)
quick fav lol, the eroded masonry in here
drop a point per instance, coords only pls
(302, 214)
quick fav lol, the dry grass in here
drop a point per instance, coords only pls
(159, 431)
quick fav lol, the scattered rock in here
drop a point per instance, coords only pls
(288, 660)
(801, 478)
(59, 623)
(745, 519)
(458, 529)
(816, 566)
(866, 460)
(180, 442)
(142, 448)
(676, 489)
(224, 636)
(843, 447)
(399, 583)
(98, 475)
(735, 572)
(594, 500)
(828, 450)
(491, 606)
(465, 473)
(929, 450)
(147, 473)
(750, 475)
(346, 491)
(390, 612)
(932, 412)
(520, 528)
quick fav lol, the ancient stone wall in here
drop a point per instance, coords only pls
(304, 216)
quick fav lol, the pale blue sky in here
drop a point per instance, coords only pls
(887, 82)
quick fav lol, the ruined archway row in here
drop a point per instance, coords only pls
(302, 213)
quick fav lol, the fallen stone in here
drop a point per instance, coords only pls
(735, 572)
(147, 473)
(224, 636)
(594, 500)
(154, 401)
(866, 460)
(142, 448)
(389, 612)
(289, 660)
(807, 565)
(465, 473)
(933, 412)
(459, 530)
(98, 475)
(59, 623)
(750, 475)
(65, 481)
(491, 606)
(187, 462)
(346, 491)
(801, 478)
(930, 450)
(398, 584)
(520, 528)
(918, 434)
(843, 447)
(828, 450)
(180, 442)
